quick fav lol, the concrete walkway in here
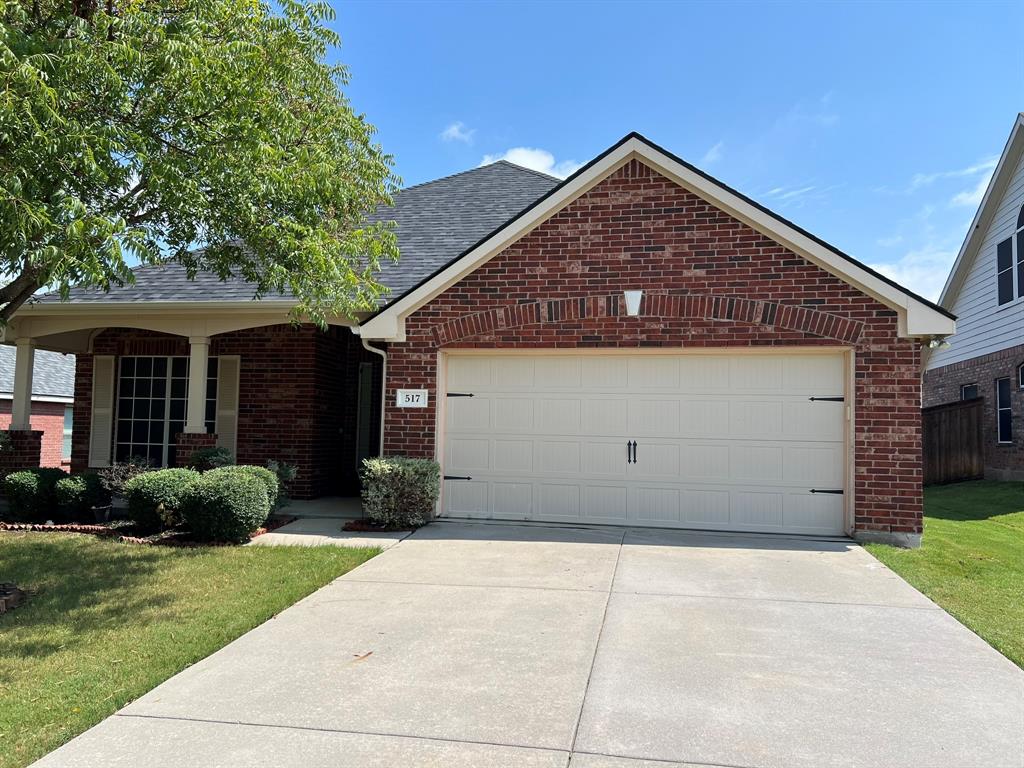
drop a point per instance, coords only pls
(470, 646)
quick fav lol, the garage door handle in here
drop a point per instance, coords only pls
(457, 477)
(827, 490)
(631, 451)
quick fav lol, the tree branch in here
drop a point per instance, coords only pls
(15, 303)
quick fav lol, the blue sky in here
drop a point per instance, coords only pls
(875, 126)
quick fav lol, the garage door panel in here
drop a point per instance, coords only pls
(559, 501)
(469, 453)
(729, 442)
(559, 457)
(468, 414)
(605, 503)
(653, 417)
(603, 458)
(604, 416)
(513, 456)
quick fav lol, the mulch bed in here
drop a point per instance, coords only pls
(365, 525)
(121, 532)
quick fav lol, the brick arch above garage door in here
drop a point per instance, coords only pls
(655, 305)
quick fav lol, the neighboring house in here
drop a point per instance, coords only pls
(985, 289)
(53, 396)
(636, 344)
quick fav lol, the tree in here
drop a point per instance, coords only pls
(208, 132)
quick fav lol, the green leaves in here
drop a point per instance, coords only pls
(212, 133)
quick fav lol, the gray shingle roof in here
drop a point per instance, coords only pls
(436, 222)
(53, 373)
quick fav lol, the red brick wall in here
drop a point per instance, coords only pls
(48, 418)
(942, 385)
(711, 281)
(294, 405)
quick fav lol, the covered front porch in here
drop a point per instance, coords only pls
(158, 383)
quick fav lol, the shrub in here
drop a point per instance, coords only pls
(264, 475)
(154, 498)
(116, 475)
(78, 494)
(225, 506)
(30, 493)
(400, 492)
(210, 458)
(286, 474)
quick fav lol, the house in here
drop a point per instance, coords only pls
(53, 394)
(985, 289)
(636, 344)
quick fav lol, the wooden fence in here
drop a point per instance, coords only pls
(953, 439)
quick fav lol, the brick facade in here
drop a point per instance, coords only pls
(24, 450)
(47, 418)
(942, 385)
(190, 442)
(709, 281)
(297, 397)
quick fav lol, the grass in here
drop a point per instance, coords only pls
(106, 622)
(972, 559)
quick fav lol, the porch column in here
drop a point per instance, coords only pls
(198, 358)
(21, 406)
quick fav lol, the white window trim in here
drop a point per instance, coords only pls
(67, 432)
(999, 410)
(1016, 259)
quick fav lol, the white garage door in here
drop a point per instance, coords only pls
(716, 441)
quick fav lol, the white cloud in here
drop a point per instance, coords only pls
(924, 179)
(713, 155)
(923, 271)
(536, 159)
(971, 198)
(457, 131)
(889, 242)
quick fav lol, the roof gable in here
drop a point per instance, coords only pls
(1011, 157)
(918, 317)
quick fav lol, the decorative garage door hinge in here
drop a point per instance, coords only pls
(457, 477)
(460, 394)
(839, 399)
(826, 490)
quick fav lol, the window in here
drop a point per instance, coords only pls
(69, 418)
(152, 393)
(1010, 260)
(1020, 376)
(968, 391)
(1004, 416)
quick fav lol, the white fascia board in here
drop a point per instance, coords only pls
(916, 317)
(41, 398)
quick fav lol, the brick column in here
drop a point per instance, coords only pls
(24, 452)
(189, 442)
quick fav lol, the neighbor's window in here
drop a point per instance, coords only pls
(968, 391)
(69, 417)
(1010, 252)
(152, 393)
(1020, 376)
(1004, 418)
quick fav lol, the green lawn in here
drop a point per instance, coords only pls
(106, 622)
(972, 560)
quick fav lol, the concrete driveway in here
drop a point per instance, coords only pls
(491, 645)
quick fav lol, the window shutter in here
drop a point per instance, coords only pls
(227, 402)
(102, 425)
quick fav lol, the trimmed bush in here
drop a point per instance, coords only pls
(30, 493)
(205, 459)
(264, 475)
(400, 492)
(225, 506)
(154, 498)
(78, 494)
(286, 474)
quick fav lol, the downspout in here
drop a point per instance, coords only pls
(383, 387)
